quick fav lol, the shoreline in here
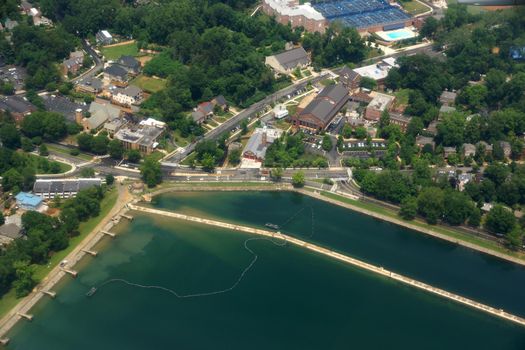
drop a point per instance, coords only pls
(314, 194)
(8, 321)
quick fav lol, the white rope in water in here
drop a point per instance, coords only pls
(281, 243)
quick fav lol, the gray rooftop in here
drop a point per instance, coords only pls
(327, 103)
(16, 104)
(63, 105)
(95, 83)
(54, 186)
(291, 58)
(116, 71)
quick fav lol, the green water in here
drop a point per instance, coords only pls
(290, 299)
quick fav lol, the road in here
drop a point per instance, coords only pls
(99, 64)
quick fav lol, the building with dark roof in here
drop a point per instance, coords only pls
(285, 62)
(63, 188)
(400, 120)
(349, 78)
(116, 74)
(129, 63)
(90, 85)
(322, 109)
(9, 232)
(18, 106)
(64, 106)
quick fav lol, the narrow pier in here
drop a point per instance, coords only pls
(129, 217)
(49, 293)
(347, 259)
(26, 316)
(90, 252)
(71, 272)
(110, 234)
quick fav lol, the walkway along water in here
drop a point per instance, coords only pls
(352, 261)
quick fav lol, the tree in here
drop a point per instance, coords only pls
(134, 156)
(361, 133)
(276, 174)
(110, 179)
(408, 208)
(87, 172)
(12, 179)
(208, 163)
(298, 179)
(368, 83)
(151, 172)
(500, 220)
(24, 282)
(430, 204)
(9, 136)
(42, 150)
(69, 219)
(458, 207)
(429, 28)
(474, 219)
(244, 127)
(451, 129)
(515, 237)
(115, 149)
(2, 219)
(234, 157)
(497, 172)
(85, 142)
(327, 143)
(99, 144)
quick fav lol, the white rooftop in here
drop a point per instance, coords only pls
(284, 8)
(377, 71)
(106, 34)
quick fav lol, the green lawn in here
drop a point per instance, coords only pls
(35, 164)
(439, 229)
(414, 7)
(149, 84)
(9, 300)
(402, 96)
(64, 151)
(179, 140)
(114, 52)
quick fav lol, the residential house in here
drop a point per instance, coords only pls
(10, 25)
(90, 85)
(319, 113)
(73, 64)
(116, 75)
(143, 137)
(432, 127)
(221, 102)
(99, 115)
(28, 201)
(400, 120)
(258, 143)
(65, 106)
(379, 104)
(469, 150)
(507, 149)
(485, 146)
(349, 78)
(103, 37)
(285, 62)
(63, 188)
(25, 6)
(448, 98)
(18, 106)
(448, 151)
(129, 63)
(9, 232)
(446, 109)
(203, 111)
(128, 96)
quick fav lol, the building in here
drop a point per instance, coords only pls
(349, 78)
(90, 85)
(507, 149)
(73, 63)
(296, 14)
(444, 109)
(13, 75)
(379, 104)
(103, 37)
(143, 137)
(378, 71)
(432, 127)
(422, 141)
(129, 63)
(28, 201)
(487, 147)
(63, 105)
(448, 98)
(364, 15)
(318, 114)
(400, 120)
(469, 150)
(448, 151)
(116, 75)
(113, 126)
(221, 102)
(128, 96)
(99, 115)
(10, 25)
(18, 106)
(205, 110)
(63, 188)
(285, 62)
(9, 232)
(280, 111)
(258, 143)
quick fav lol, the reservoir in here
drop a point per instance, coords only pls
(289, 299)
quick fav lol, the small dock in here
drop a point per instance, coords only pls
(129, 217)
(26, 316)
(90, 252)
(71, 272)
(4, 341)
(49, 293)
(107, 233)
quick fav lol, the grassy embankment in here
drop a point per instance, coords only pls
(436, 228)
(34, 163)
(114, 52)
(149, 84)
(9, 300)
(66, 152)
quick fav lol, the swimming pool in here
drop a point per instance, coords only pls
(398, 34)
